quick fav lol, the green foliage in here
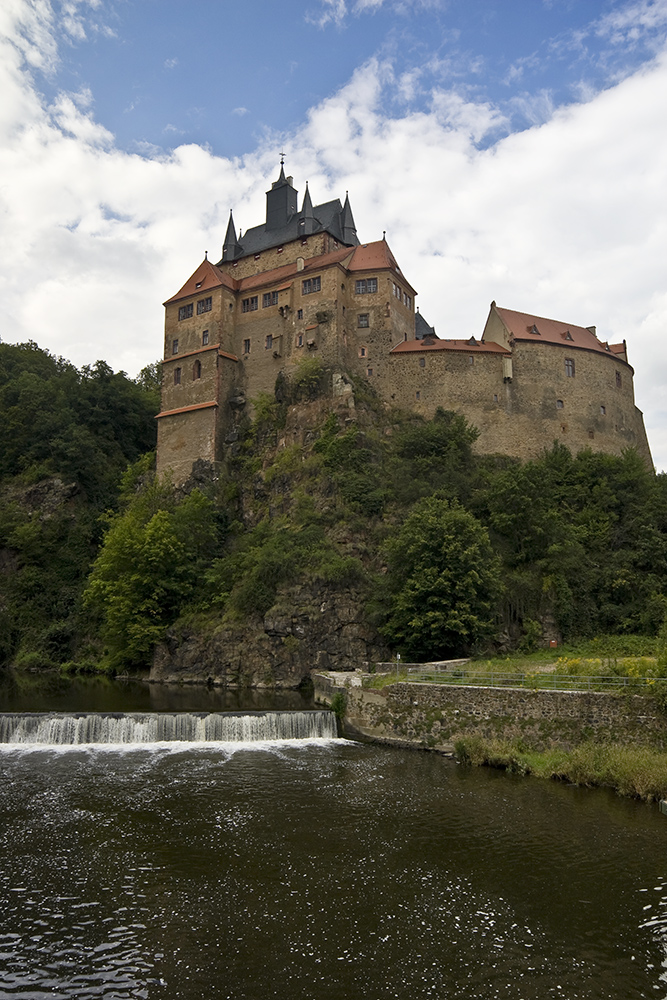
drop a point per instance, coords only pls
(444, 582)
(152, 557)
(83, 425)
(307, 378)
(639, 772)
(274, 553)
(339, 704)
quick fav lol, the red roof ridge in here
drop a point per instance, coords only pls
(210, 277)
(186, 409)
(481, 347)
(522, 326)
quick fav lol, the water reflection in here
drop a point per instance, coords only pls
(321, 872)
(51, 692)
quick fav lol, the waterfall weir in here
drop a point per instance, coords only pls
(75, 728)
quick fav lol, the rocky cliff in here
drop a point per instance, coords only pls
(321, 627)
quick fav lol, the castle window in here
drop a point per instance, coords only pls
(362, 352)
(619, 380)
(369, 371)
(495, 397)
(269, 299)
(299, 340)
(559, 404)
(299, 314)
(311, 285)
(279, 250)
(471, 361)
(196, 370)
(185, 312)
(569, 367)
(204, 338)
(269, 342)
(366, 286)
(362, 320)
(174, 347)
(418, 395)
(603, 411)
(246, 347)
(257, 256)
(249, 305)
(177, 376)
(204, 305)
(591, 434)
(422, 362)
(304, 243)
(397, 291)
(407, 300)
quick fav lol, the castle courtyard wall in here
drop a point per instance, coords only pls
(522, 416)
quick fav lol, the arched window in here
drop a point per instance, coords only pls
(196, 370)
(177, 376)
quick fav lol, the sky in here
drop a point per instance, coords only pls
(513, 150)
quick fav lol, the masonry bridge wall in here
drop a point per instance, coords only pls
(434, 716)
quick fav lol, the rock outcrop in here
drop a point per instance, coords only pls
(323, 627)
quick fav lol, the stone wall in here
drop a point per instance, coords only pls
(436, 715)
(538, 406)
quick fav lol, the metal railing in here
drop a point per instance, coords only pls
(536, 681)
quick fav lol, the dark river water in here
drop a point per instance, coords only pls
(323, 869)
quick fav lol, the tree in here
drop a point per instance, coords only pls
(152, 556)
(444, 582)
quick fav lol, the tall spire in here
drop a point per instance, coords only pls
(230, 248)
(347, 225)
(307, 223)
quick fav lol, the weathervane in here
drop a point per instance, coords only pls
(282, 159)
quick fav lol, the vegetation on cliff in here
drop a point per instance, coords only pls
(66, 437)
(447, 552)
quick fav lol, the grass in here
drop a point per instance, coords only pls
(638, 772)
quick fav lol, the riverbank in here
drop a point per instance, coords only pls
(585, 737)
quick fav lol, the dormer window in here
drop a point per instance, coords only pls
(534, 330)
(199, 284)
(567, 335)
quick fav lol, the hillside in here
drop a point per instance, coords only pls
(337, 532)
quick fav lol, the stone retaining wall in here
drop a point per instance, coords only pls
(436, 715)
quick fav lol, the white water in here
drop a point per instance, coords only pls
(74, 728)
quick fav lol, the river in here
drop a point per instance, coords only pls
(319, 870)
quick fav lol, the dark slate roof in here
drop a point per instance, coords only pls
(422, 329)
(330, 217)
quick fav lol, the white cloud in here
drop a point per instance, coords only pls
(627, 25)
(566, 219)
(240, 112)
(171, 63)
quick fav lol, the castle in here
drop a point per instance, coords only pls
(301, 284)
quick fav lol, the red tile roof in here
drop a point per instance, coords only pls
(429, 344)
(375, 257)
(186, 409)
(521, 326)
(207, 276)
(369, 257)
